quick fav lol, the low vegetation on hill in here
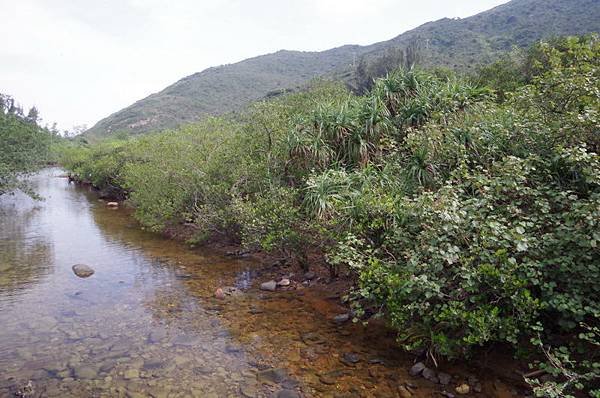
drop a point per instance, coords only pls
(458, 44)
(468, 209)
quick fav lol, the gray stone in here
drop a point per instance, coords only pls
(429, 374)
(333, 376)
(55, 367)
(287, 394)
(232, 348)
(290, 384)
(201, 370)
(270, 286)
(312, 338)
(327, 379)
(158, 393)
(85, 373)
(232, 291)
(25, 390)
(186, 341)
(341, 318)
(474, 383)
(350, 358)
(180, 360)
(276, 375)
(131, 374)
(157, 335)
(309, 276)
(83, 271)
(417, 369)
(404, 393)
(444, 378)
(249, 390)
(108, 365)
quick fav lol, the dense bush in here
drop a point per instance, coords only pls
(468, 218)
(493, 235)
(24, 146)
(208, 175)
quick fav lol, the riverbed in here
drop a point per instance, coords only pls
(146, 323)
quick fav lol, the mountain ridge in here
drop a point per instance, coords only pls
(456, 43)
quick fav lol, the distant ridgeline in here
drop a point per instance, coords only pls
(460, 44)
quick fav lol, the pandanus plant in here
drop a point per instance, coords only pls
(356, 133)
(346, 135)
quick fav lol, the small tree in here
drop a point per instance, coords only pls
(33, 115)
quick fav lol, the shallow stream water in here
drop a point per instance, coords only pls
(147, 323)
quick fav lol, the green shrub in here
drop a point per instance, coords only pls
(24, 147)
(491, 232)
(467, 220)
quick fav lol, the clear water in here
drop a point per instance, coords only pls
(146, 323)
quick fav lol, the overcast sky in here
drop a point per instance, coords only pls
(81, 60)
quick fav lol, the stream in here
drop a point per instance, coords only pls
(147, 324)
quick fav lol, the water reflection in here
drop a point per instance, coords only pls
(25, 255)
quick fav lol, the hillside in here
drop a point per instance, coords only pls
(455, 43)
(225, 88)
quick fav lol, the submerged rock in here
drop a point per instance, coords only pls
(403, 392)
(24, 390)
(233, 349)
(287, 394)
(85, 372)
(270, 286)
(230, 291)
(342, 318)
(249, 390)
(312, 338)
(157, 335)
(327, 379)
(131, 374)
(350, 358)
(331, 378)
(83, 271)
(219, 294)
(275, 376)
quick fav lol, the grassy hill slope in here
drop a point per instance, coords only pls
(455, 43)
